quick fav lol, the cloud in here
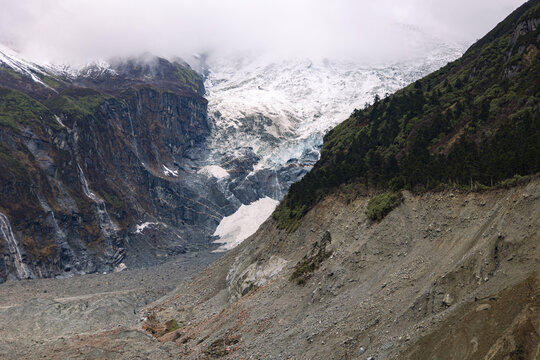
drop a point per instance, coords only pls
(83, 30)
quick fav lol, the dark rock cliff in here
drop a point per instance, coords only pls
(97, 170)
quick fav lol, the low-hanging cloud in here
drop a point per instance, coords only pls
(84, 30)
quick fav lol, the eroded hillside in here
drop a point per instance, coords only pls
(454, 272)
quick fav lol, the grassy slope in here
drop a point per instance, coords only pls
(475, 121)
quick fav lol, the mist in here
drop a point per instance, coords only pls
(71, 31)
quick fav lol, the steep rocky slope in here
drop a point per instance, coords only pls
(93, 167)
(446, 275)
(116, 163)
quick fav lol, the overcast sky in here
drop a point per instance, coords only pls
(83, 30)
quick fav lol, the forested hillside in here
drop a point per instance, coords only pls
(475, 122)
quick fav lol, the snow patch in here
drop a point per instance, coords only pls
(17, 63)
(214, 171)
(120, 267)
(141, 227)
(169, 172)
(57, 118)
(237, 227)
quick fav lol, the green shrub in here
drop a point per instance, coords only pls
(16, 107)
(379, 206)
(171, 325)
(113, 200)
(288, 219)
(76, 102)
(304, 269)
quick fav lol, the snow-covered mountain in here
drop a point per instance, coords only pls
(16, 62)
(188, 167)
(271, 116)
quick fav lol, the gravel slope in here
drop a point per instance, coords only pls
(436, 271)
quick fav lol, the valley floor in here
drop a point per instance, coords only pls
(48, 318)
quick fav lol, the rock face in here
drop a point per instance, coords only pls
(93, 154)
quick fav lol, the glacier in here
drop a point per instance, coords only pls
(271, 116)
(235, 228)
(281, 110)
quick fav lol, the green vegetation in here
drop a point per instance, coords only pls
(171, 326)
(379, 206)
(304, 269)
(77, 102)
(11, 163)
(16, 107)
(11, 72)
(475, 121)
(113, 200)
(288, 219)
(189, 78)
(52, 81)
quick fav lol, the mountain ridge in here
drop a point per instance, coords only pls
(129, 145)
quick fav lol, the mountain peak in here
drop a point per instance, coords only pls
(110, 76)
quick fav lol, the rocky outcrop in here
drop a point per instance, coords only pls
(523, 47)
(243, 280)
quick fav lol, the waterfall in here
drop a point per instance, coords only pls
(59, 233)
(14, 249)
(130, 121)
(133, 138)
(277, 187)
(106, 225)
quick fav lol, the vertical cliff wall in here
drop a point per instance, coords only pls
(98, 171)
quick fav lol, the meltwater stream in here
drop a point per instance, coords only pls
(106, 225)
(14, 249)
